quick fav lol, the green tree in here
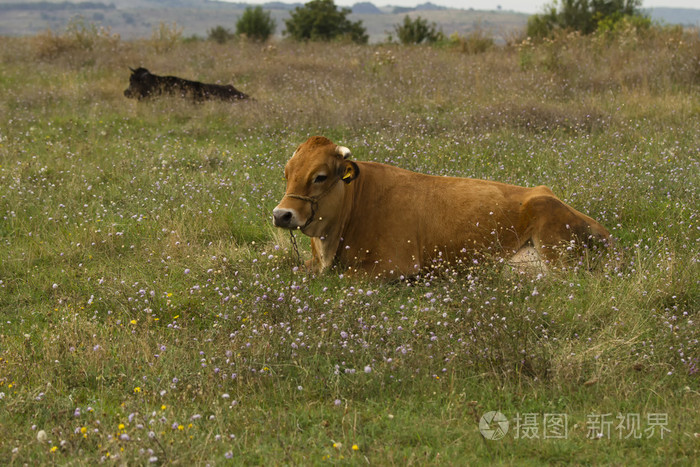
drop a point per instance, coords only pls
(256, 24)
(585, 16)
(417, 31)
(320, 20)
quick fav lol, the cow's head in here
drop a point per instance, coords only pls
(141, 84)
(314, 190)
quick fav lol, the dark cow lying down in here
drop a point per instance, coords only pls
(144, 84)
(389, 222)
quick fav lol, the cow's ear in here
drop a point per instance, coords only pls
(350, 171)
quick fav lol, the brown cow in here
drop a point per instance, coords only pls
(390, 222)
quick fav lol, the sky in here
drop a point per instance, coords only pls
(524, 6)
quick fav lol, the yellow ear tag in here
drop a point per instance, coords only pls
(348, 173)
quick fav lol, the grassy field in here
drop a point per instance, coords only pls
(150, 313)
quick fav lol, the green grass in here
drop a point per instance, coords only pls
(151, 313)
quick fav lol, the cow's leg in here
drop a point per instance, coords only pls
(527, 260)
(559, 232)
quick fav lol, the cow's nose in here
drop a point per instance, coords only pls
(282, 217)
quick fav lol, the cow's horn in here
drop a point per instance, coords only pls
(343, 151)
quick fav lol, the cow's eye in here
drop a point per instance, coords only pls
(320, 178)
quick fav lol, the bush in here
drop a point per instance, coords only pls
(320, 20)
(613, 25)
(585, 16)
(256, 24)
(417, 31)
(220, 35)
(165, 36)
(473, 43)
(79, 36)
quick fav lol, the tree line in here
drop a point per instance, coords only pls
(322, 20)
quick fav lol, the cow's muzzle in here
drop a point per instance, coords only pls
(288, 218)
(284, 218)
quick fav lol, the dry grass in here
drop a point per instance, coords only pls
(372, 86)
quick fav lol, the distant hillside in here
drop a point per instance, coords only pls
(54, 6)
(278, 6)
(138, 18)
(684, 16)
(429, 7)
(366, 8)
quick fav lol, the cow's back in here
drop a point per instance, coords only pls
(425, 217)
